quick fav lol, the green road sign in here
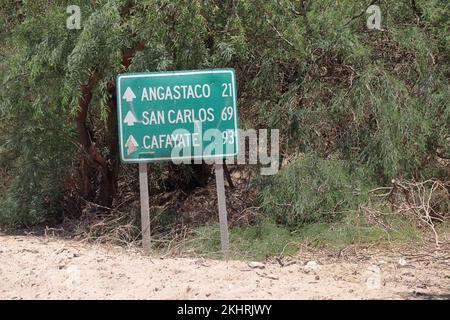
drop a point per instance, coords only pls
(179, 115)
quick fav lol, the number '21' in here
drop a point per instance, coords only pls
(226, 90)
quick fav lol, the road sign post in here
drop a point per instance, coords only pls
(178, 116)
(221, 201)
(145, 209)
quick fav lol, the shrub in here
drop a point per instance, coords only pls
(311, 190)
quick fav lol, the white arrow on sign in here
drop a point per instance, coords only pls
(131, 145)
(129, 95)
(130, 119)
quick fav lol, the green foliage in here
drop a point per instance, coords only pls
(255, 242)
(311, 190)
(37, 143)
(375, 100)
(379, 98)
(384, 126)
(354, 230)
(268, 239)
(39, 164)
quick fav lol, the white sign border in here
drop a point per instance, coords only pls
(176, 73)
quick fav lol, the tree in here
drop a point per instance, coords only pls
(374, 99)
(63, 81)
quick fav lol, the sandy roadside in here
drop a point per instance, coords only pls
(52, 268)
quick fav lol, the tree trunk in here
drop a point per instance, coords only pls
(109, 174)
(87, 171)
(93, 163)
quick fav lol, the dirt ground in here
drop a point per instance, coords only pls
(53, 268)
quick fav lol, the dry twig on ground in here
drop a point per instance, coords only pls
(428, 201)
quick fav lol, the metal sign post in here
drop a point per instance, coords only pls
(223, 221)
(145, 209)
